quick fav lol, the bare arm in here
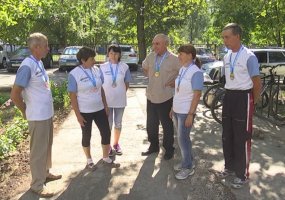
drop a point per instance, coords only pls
(16, 96)
(104, 101)
(193, 107)
(74, 104)
(257, 85)
(127, 85)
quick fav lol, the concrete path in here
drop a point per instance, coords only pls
(152, 177)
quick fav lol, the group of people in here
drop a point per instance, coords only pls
(173, 93)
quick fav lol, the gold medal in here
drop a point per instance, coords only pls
(156, 74)
(232, 76)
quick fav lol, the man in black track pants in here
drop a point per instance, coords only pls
(243, 86)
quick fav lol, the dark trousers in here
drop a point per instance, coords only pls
(159, 112)
(237, 131)
(101, 120)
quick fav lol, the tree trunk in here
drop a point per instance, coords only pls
(140, 30)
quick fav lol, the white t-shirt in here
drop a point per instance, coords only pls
(89, 97)
(183, 98)
(242, 72)
(36, 94)
(116, 96)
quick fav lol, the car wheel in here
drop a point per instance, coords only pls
(4, 63)
(133, 67)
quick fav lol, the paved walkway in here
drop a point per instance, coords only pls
(152, 177)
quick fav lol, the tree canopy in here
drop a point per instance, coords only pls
(93, 22)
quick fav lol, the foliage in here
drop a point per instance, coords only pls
(60, 95)
(14, 133)
(88, 22)
(16, 130)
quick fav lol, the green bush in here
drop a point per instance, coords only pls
(14, 133)
(17, 129)
(60, 95)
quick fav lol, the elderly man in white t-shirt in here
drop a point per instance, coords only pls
(32, 95)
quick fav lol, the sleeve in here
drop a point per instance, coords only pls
(72, 84)
(23, 76)
(101, 75)
(253, 66)
(197, 81)
(128, 76)
(145, 63)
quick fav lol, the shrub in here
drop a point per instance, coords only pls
(60, 95)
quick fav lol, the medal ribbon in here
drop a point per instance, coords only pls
(44, 75)
(232, 65)
(114, 76)
(92, 79)
(157, 66)
(181, 75)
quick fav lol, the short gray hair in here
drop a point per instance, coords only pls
(164, 37)
(36, 39)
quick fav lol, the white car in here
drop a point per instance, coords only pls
(271, 57)
(67, 60)
(129, 56)
(211, 71)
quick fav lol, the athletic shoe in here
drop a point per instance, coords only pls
(184, 173)
(178, 167)
(111, 152)
(225, 173)
(117, 149)
(238, 183)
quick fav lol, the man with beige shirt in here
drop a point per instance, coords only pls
(161, 67)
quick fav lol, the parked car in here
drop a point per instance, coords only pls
(20, 54)
(129, 56)
(212, 72)
(271, 57)
(3, 58)
(67, 60)
(204, 54)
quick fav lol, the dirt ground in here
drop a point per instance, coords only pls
(15, 170)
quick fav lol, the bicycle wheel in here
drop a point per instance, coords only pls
(278, 104)
(210, 94)
(217, 106)
(263, 103)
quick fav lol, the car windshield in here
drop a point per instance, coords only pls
(70, 51)
(127, 49)
(22, 52)
(203, 51)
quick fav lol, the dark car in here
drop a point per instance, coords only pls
(20, 54)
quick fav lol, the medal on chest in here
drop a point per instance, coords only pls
(232, 76)
(156, 74)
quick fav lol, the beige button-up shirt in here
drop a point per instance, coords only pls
(157, 91)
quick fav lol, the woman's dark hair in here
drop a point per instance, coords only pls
(116, 48)
(84, 53)
(190, 49)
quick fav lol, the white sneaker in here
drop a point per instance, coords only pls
(184, 173)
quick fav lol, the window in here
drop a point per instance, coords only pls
(261, 56)
(276, 57)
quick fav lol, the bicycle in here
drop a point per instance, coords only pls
(274, 100)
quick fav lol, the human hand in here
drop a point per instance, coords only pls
(171, 114)
(107, 110)
(81, 120)
(189, 121)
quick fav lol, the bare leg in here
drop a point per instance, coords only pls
(87, 152)
(105, 149)
(117, 133)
